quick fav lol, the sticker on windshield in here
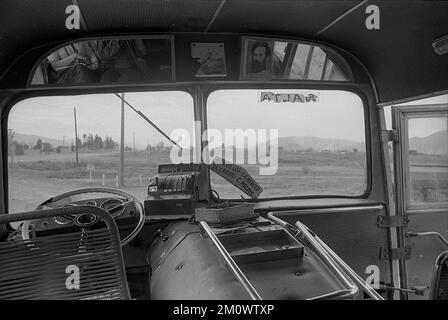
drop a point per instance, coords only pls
(237, 176)
(281, 97)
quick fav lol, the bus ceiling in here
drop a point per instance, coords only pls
(396, 46)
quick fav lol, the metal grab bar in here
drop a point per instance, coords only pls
(428, 233)
(230, 262)
(359, 281)
(328, 255)
(352, 288)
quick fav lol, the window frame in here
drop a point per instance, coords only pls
(331, 54)
(74, 91)
(301, 85)
(400, 118)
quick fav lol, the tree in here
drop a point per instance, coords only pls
(17, 149)
(46, 147)
(97, 143)
(11, 134)
(11, 147)
(38, 145)
(110, 144)
(160, 145)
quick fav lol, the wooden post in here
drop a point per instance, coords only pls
(121, 175)
(76, 136)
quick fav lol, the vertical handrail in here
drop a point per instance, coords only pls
(230, 262)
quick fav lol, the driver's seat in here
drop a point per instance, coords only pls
(439, 284)
(75, 264)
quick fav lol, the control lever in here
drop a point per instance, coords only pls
(417, 290)
(430, 234)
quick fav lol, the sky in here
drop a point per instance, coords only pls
(53, 117)
(425, 126)
(336, 115)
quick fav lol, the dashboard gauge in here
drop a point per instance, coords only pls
(112, 203)
(91, 203)
(62, 220)
(85, 219)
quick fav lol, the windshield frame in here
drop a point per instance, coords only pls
(200, 92)
(74, 91)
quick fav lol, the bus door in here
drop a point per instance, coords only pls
(421, 190)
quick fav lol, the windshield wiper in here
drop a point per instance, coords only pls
(141, 114)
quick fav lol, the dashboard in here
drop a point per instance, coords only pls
(120, 208)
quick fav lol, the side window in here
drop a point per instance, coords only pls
(427, 160)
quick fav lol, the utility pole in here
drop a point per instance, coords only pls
(76, 136)
(63, 144)
(121, 181)
(134, 141)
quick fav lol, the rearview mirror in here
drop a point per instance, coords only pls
(108, 60)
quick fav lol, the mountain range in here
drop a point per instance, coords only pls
(436, 143)
(319, 144)
(31, 139)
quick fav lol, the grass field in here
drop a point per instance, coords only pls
(35, 176)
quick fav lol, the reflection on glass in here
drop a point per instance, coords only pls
(300, 61)
(317, 64)
(105, 61)
(428, 160)
(265, 59)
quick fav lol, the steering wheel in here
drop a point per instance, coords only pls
(49, 204)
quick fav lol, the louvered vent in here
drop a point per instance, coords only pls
(48, 267)
(443, 283)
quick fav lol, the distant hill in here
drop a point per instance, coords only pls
(31, 139)
(319, 144)
(436, 143)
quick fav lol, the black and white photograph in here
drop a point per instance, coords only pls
(257, 59)
(211, 59)
(222, 158)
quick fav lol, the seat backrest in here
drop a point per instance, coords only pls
(439, 284)
(80, 264)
